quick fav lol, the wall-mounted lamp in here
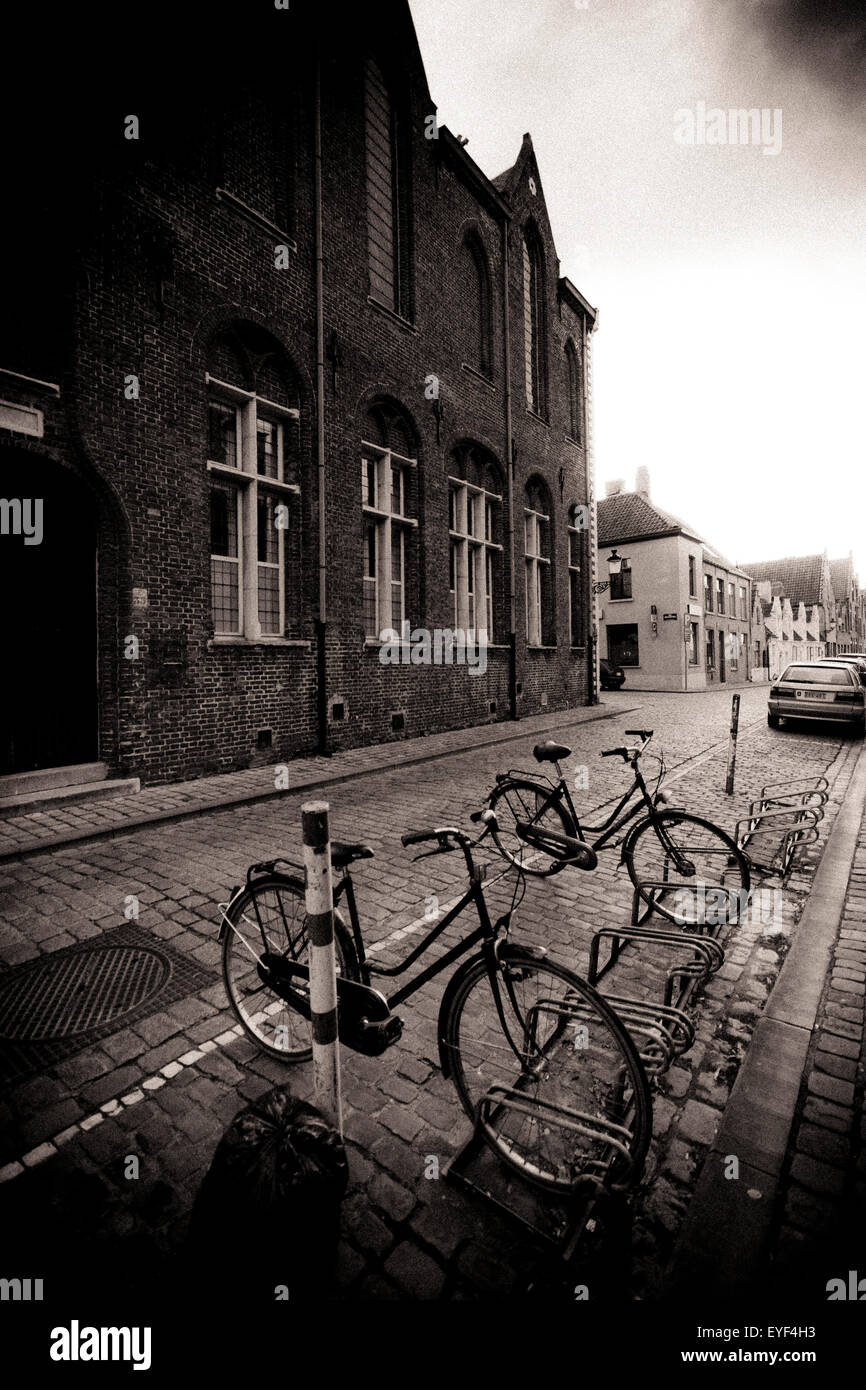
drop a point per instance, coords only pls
(615, 563)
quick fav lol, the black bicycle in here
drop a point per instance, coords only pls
(685, 867)
(542, 1063)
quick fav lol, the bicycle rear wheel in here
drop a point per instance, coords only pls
(555, 1083)
(271, 916)
(709, 888)
(517, 800)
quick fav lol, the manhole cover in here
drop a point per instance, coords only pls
(59, 1005)
(74, 994)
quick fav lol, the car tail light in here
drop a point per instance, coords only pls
(775, 692)
(850, 697)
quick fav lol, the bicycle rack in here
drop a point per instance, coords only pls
(781, 822)
(558, 1219)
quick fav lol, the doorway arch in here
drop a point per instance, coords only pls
(48, 573)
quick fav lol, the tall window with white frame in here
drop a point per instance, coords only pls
(387, 524)
(473, 555)
(539, 583)
(251, 439)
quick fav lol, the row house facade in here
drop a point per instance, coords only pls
(781, 635)
(850, 606)
(795, 612)
(677, 615)
(305, 388)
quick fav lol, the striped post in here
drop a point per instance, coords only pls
(323, 969)
(732, 744)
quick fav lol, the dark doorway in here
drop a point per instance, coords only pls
(49, 590)
(622, 644)
(721, 655)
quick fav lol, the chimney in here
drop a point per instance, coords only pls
(615, 488)
(642, 482)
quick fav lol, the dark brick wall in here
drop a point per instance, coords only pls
(162, 263)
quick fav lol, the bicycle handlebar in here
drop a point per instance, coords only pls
(644, 734)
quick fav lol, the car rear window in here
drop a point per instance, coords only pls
(817, 675)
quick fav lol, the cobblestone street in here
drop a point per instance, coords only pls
(164, 1088)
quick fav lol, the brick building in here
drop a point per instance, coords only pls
(677, 615)
(302, 374)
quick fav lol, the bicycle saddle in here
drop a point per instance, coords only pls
(550, 752)
(342, 854)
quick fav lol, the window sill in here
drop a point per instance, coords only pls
(392, 314)
(373, 643)
(257, 218)
(541, 647)
(540, 418)
(480, 377)
(258, 642)
(574, 442)
(620, 600)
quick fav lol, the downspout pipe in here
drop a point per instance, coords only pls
(509, 464)
(322, 619)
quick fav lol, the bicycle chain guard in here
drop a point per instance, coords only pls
(364, 1020)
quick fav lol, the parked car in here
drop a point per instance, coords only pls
(847, 659)
(612, 677)
(810, 690)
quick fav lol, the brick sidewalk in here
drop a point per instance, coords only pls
(821, 1224)
(72, 822)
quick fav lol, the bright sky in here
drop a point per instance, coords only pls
(731, 283)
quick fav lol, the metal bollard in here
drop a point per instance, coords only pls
(323, 969)
(732, 745)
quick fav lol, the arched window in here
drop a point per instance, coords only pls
(252, 459)
(388, 501)
(388, 212)
(475, 544)
(533, 321)
(537, 530)
(575, 393)
(479, 344)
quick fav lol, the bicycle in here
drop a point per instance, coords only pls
(668, 851)
(542, 1064)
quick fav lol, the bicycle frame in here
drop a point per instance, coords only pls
(485, 932)
(612, 825)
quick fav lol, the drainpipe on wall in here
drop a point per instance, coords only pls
(509, 465)
(592, 676)
(321, 621)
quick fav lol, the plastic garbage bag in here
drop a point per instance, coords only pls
(267, 1215)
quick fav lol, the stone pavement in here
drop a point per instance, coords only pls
(161, 1090)
(821, 1222)
(70, 822)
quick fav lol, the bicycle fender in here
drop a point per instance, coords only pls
(506, 951)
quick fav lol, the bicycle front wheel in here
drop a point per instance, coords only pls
(549, 1073)
(706, 876)
(517, 800)
(271, 916)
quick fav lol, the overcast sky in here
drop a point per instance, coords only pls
(731, 283)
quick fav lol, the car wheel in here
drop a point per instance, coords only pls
(773, 720)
